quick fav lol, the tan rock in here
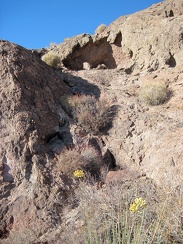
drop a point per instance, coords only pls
(86, 66)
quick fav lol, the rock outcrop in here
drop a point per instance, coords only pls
(149, 39)
(30, 109)
(30, 114)
(142, 141)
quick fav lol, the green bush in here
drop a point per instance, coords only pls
(154, 93)
(52, 60)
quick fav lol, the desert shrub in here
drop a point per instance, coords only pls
(108, 217)
(71, 160)
(93, 115)
(92, 160)
(154, 93)
(100, 29)
(51, 59)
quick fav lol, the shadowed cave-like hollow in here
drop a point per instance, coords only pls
(94, 53)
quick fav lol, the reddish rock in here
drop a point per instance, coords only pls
(121, 176)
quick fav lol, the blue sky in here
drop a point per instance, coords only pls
(37, 23)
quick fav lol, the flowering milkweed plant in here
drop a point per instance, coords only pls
(139, 204)
(79, 174)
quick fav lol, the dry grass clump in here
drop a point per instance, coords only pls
(93, 115)
(154, 93)
(51, 59)
(71, 160)
(100, 29)
(105, 215)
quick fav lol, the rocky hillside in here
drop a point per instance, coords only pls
(147, 40)
(44, 124)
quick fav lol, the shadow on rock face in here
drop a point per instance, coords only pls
(80, 86)
(108, 116)
(7, 175)
(83, 87)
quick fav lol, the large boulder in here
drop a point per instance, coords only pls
(30, 108)
(30, 114)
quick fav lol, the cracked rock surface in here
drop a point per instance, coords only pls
(143, 141)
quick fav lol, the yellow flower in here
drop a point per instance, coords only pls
(134, 208)
(139, 203)
(79, 173)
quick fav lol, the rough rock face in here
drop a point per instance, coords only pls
(149, 39)
(30, 113)
(143, 140)
(30, 107)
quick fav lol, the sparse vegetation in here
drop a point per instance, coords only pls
(154, 93)
(87, 160)
(104, 215)
(93, 115)
(51, 59)
(100, 29)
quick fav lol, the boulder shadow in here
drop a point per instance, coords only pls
(80, 86)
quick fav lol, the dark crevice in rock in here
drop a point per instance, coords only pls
(171, 14)
(118, 40)
(3, 225)
(181, 37)
(109, 160)
(128, 71)
(171, 61)
(57, 141)
(54, 135)
(79, 86)
(28, 169)
(4, 233)
(95, 144)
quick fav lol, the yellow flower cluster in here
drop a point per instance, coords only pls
(79, 173)
(138, 204)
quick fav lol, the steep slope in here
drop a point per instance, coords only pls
(145, 46)
(30, 112)
(143, 143)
